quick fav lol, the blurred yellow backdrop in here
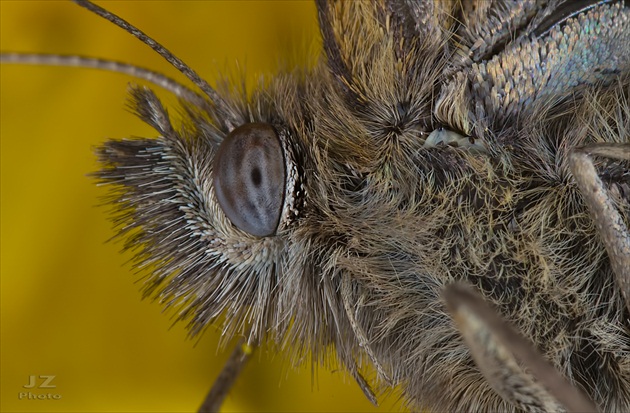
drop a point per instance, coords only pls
(70, 308)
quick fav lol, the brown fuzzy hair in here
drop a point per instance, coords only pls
(380, 223)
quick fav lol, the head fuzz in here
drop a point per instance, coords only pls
(249, 178)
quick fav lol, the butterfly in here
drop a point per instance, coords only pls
(444, 197)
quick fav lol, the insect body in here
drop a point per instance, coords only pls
(440, 156)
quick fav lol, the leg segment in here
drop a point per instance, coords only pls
(610, 225)
(508, 361)
(223, 384)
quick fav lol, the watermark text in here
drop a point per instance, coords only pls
(35, 384)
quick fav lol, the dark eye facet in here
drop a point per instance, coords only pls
(249, 178)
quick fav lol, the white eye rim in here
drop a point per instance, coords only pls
(294, 189)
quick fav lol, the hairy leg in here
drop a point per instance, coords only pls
(512, 366)
(609, 222)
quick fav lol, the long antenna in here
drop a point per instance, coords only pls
(168, 56)
(156, 78)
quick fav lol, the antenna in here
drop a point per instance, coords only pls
(156, 78)
(167, 55)
(213, 101)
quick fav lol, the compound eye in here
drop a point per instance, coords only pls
(249, 178)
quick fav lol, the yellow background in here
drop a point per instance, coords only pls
(70, 307)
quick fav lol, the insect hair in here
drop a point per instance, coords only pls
(453, 209)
